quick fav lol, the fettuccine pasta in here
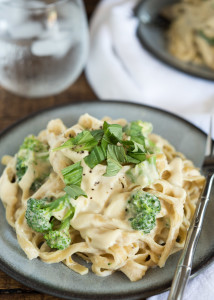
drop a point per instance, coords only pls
(191, 33)
(101, 231)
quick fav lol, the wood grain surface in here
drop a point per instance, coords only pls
(13, 108)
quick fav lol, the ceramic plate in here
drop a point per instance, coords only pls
(57, 279)
(153, 37)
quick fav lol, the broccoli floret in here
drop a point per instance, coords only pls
(31, 151)
(143, 221)
(144, 173)
(141, 201)
(60, 238)
(21, 167)
(38, 182)
(33, 144)
(39, 212)
(143, 208)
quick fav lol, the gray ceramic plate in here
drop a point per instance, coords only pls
(57, 279)
(153, 37)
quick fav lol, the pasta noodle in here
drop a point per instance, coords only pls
(190, 35)
(100, 230)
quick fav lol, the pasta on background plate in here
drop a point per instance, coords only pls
(109, 191)
(191, 33)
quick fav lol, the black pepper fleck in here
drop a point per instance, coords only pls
(92, 189)
(122, 185)
(90, 171)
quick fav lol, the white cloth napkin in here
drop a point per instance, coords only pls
(119, 68)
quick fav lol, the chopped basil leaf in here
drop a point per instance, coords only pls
(104, 145)
(82, 141)
(125, 128)
(74, 191)
(68, 144)
(133, 146)
(128, 144)
(138, 148)
(73, 174)
(135, 129)
(116, 152)
(131, 160)
(139, 140)
(138, 156)
(112, 133)
(138, 132)
(97, 134)
(113, 167)
(96, 156)
(115, 156)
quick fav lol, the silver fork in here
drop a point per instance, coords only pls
(184, 266)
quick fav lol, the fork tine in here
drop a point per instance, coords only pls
(209, 143)
(212, 141)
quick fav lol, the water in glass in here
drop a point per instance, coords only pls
(43, 45)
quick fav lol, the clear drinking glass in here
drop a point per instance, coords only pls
(43, 45)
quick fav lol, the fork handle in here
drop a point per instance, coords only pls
(184, 266)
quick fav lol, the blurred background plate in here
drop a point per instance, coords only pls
(152, 34)
(57, 279)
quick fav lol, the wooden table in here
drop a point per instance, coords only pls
(13, 108)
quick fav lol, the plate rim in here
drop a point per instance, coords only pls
(158, 56)
(38, 286)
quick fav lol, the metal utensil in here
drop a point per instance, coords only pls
(184, 266)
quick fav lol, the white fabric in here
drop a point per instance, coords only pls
(119, 68)
(199, 288)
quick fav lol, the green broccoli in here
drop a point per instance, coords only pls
(143, 221)
(38, 182)
(35, 152)
(60, 238)
(143, 208)
(39, 212)
(31, 143)
(21, 167)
